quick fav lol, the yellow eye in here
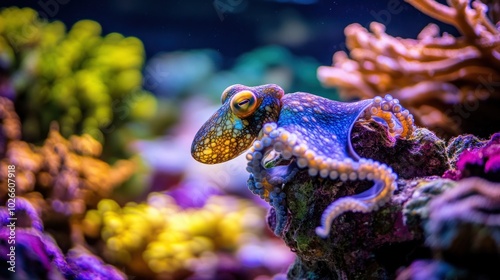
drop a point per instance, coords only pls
(244, 103)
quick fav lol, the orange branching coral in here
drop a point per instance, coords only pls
(75, 174)
(67, 173)
(450, 84)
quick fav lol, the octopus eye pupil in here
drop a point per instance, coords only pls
(244, 103)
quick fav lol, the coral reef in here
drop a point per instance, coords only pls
(36, 254)
(89, 84)
(71, 102)
(416, 209)
(67, 173)
(449, 83)
(483, 161)
(303, 127)
(63, 178)
(462, 226)
(160, 239)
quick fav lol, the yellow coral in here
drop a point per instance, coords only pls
(169, 239)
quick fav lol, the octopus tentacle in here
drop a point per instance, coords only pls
(367, 201)
(267, 181)
(399, 120)
(301, 147)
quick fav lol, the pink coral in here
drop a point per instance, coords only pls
(481, 162)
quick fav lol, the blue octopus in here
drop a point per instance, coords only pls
(288, 132)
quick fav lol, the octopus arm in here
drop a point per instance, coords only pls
(367, 201)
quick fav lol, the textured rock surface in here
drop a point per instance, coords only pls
(360, 246)
(422, 155)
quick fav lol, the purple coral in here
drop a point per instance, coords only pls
(464, 225)
(36, 254)
(23, 207)
(86, 266)
(432, 269)
(463, 231)
(481, 162)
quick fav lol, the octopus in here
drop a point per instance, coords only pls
(285, 133)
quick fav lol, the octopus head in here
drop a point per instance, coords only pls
(233, 128)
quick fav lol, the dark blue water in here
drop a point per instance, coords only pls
(234, 27)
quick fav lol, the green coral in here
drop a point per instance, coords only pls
(416, 210)
(87, 82)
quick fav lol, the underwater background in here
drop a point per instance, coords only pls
(100, 102)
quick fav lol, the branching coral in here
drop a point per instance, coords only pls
(448, 83)
(87, 83)
(160, 237)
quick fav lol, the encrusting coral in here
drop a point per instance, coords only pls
(88, 83)
(450, 84)
(160, 238)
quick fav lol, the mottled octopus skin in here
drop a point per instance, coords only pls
(225, 136)
(288, 132)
